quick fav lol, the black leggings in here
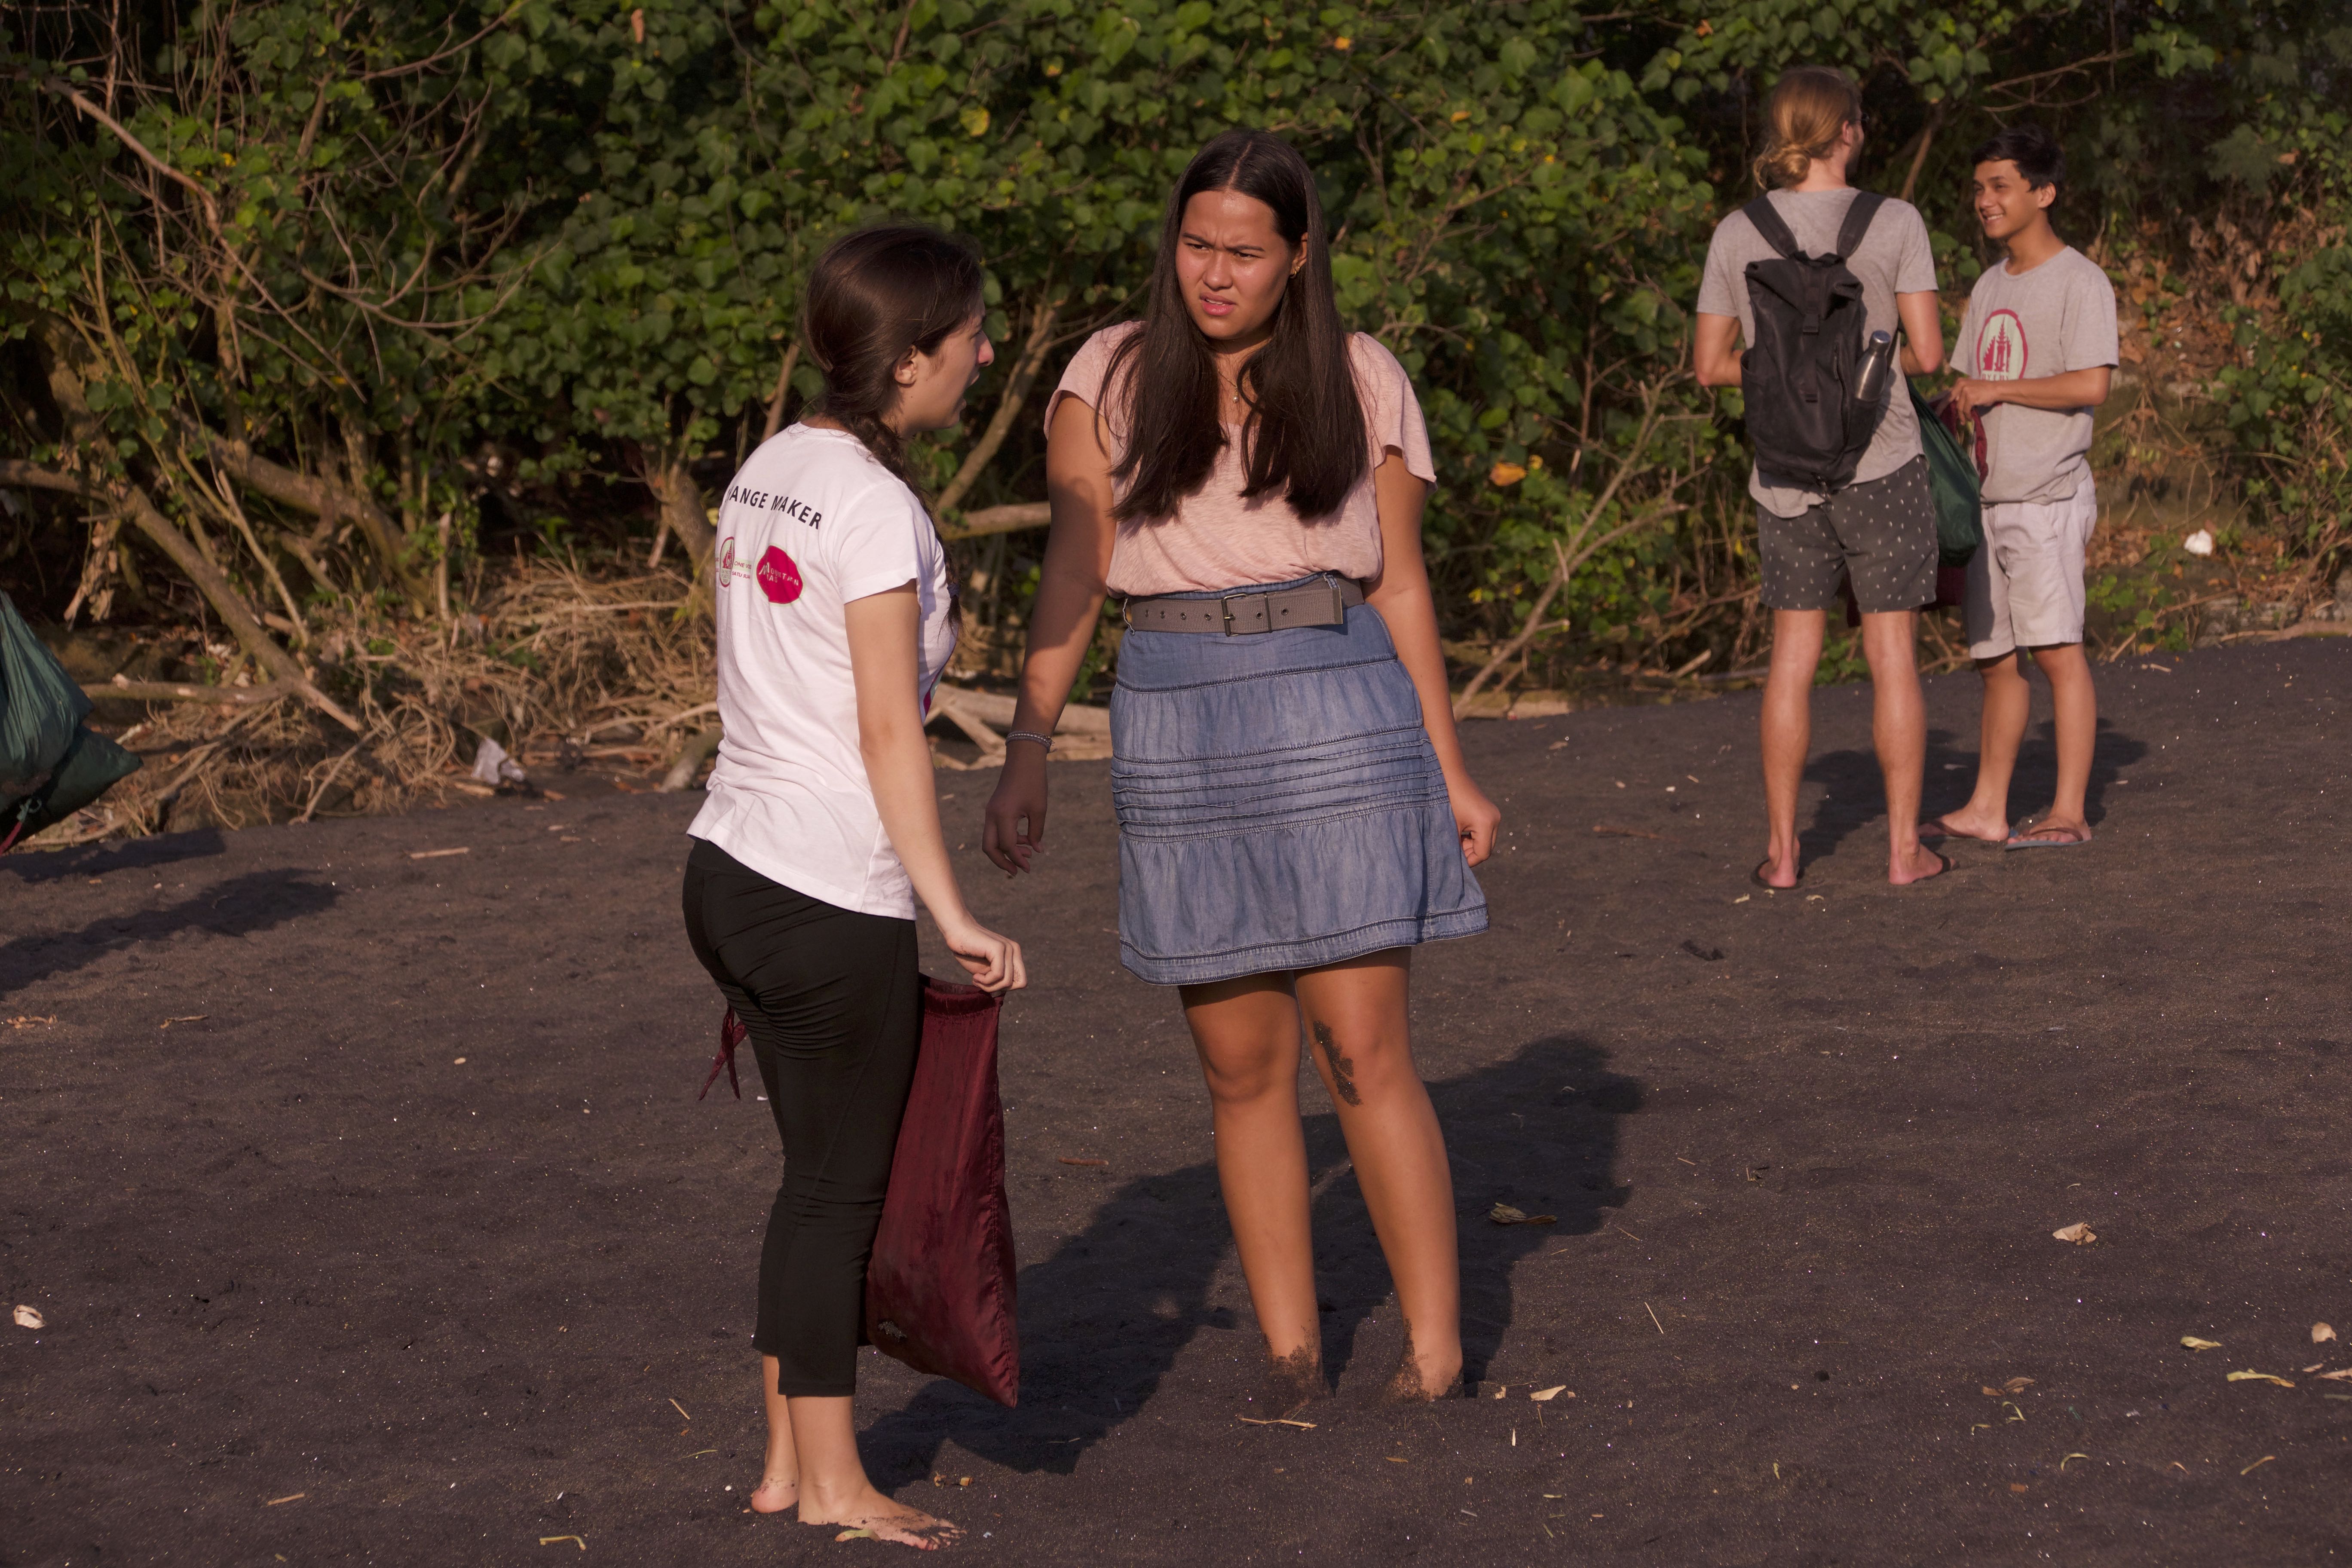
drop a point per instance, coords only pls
(833, 1002)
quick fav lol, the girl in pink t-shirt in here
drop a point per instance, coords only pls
(1294, 810)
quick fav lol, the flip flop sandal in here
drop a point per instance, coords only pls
(1757, 877)
(2026, 840)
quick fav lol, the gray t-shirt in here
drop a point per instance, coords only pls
(2050, 320)
(1893, 258)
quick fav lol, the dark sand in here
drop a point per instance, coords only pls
(1806, 1156)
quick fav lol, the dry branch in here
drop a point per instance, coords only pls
(1008, 407)
(1569, 557)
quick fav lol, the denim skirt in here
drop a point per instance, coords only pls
(1279, 804)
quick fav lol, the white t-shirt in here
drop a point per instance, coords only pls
(812, 522)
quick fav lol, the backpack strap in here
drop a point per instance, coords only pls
(1865, 208)
(1773, 228)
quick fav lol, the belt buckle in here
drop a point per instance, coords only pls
(1225, 608)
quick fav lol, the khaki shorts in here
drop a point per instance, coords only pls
(2025, 586)
(1880, 534)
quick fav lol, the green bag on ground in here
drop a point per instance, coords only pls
(1952, 477)
(51, 763)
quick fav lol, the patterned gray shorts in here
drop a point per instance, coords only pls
(1881, 534)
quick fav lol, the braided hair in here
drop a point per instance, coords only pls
(873, 297)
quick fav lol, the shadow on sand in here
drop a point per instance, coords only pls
(254, 901)
(1855, 796)
(1105, 1317)
(127, 854)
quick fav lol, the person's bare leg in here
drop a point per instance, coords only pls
(2008, 703)
(1898, 727)
(1246, 1032)
(834, 1486)
(780, 1477)
(1356, 1016)
(2076, 703)
(1786, 728)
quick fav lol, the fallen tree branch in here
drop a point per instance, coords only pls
(999, 520)
(947, 703)
(170, 691)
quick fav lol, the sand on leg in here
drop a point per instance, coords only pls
(1356, 1014)
(1246, 1032)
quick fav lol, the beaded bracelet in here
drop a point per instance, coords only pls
(1045, 740)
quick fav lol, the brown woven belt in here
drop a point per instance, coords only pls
(1324, 604)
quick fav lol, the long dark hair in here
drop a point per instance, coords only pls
(1305, 433)
(873, 296)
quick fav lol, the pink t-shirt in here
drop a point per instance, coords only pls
(1217, 540)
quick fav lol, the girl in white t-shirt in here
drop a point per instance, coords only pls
(836, 616)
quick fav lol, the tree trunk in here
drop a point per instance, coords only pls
(681, 504)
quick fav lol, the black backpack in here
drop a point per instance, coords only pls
(1797, 376)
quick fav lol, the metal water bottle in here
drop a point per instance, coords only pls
(1871, 384)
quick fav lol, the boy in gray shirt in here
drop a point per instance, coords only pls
(2037, 349)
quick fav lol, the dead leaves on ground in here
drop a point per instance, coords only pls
(2194, 1344)
(2250, 1375)
(1504, 1213)
(2078, 1233)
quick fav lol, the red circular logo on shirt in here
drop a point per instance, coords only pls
(779, 578)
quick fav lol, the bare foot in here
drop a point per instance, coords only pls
(885, 1520)
(1967, 823)
(1778, 874)
(1921, 865)
(1420, 1379)
(775, 1493)
(1293, 1381)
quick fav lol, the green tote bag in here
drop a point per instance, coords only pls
(1952, 477)
(51, 763)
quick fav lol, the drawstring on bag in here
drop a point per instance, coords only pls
(731, 1034)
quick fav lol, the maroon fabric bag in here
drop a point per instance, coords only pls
(939, 1289)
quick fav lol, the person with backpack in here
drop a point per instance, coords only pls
(836, 615)
(1818, 279)
(2037, 352)
(1295, 813)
